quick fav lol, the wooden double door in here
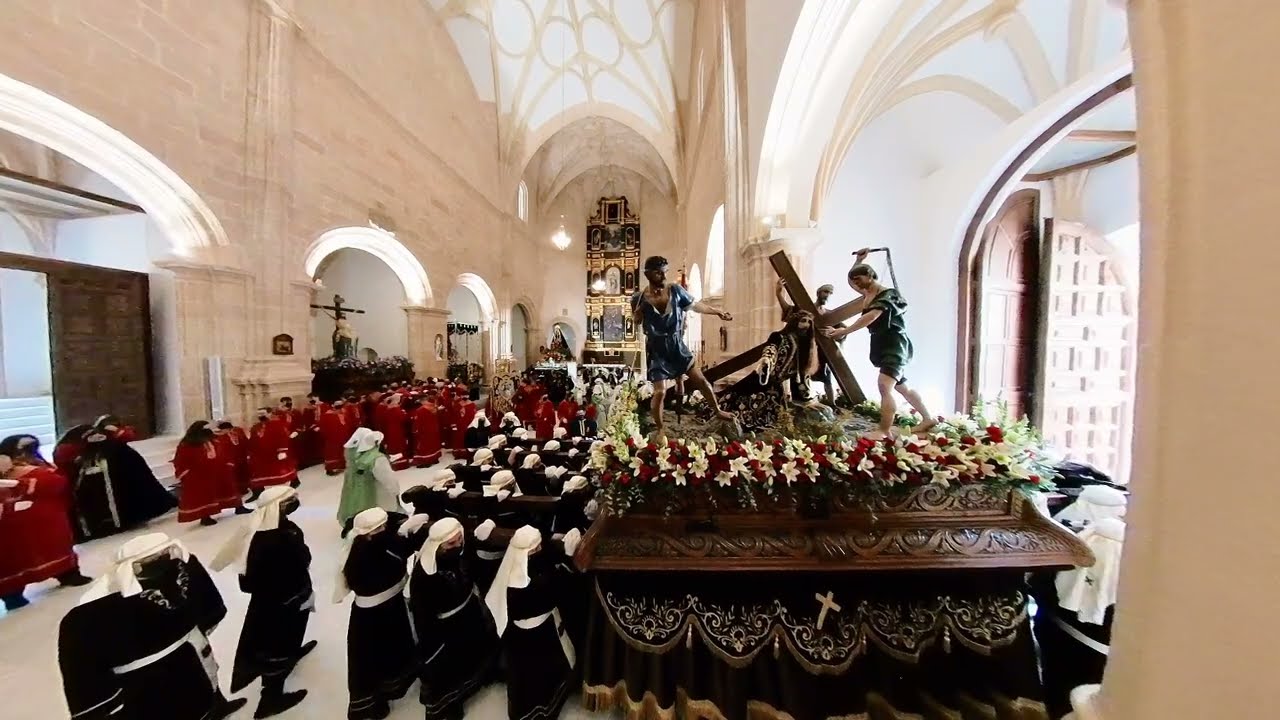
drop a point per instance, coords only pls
(99, 342)
(1054, 330)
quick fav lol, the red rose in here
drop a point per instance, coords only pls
(606, 478)
(968, 441)
(943, 441)
(1035, 479)
(995, 433)
(625, 479)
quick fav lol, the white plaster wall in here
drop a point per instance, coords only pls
(876, 202)
(1110, 197)
(519, 337)
(115, 241)
(366, 283)
(24, 322)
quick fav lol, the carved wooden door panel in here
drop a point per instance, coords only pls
(1088, 336)
(100, 340)
(1006, 275)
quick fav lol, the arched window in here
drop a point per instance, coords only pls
(700, 97)
(715, 255)
(522, 202)
(693, 321)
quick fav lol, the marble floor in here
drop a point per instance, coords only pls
(29, 679)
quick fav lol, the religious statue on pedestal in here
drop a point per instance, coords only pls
(345, 340)
(789, 359)
(559, 345)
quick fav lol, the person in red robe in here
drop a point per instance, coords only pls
(463, 413)
(114, 428)
(591, 411)
(369, 411)
(446, 417)
(351, 408)
(36, 537)
(312, 445)
(567, 411)
(234, 443)
(336, 427)
(67, 451)
(207, 473)
(426, 434)
(545, 419)
(270, 458)
(394, 433)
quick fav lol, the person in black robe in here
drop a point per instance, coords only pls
(381, 653)
(540, 658)
(114, 489)
(1075, 610)
(137, 647)
(581, 426)
(477, 434)
(456, 638)
(274, 562)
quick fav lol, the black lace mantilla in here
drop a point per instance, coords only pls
(737, 631)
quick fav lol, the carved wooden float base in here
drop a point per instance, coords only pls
(930, 528)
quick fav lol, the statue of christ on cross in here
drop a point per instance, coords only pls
(345, 340)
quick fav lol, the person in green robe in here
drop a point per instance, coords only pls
(883, 315)
(369, 480)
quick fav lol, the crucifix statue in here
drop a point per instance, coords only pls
(802, 301)
(345, 339)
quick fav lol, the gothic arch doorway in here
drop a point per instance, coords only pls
(1004, 279)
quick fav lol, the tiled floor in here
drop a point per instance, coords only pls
(29, 675)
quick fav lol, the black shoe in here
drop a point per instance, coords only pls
(74, 579)
(225, 708)
(305, 650)
(277, 704)
(207, 521)
(15, 602)
(242, 510)
(295, 483)
(380, 710)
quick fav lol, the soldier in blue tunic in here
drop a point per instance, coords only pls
(660, 309)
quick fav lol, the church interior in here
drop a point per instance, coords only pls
(719, 359)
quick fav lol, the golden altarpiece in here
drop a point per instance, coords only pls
(613, 275)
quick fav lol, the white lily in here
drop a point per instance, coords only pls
(725, 479)
(790, 472)
(699, 467)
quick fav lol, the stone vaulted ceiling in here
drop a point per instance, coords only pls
(549, 63)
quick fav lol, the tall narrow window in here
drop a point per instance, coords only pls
(715, 255)
(522, 202)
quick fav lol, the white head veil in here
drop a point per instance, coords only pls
(1090, 591)
(559, 432)
(266, 517)
(531, 461)
(483, 456)
(575, 483)
(479, 418)
(441, 532)
(356, 437)
(497, 442)
(513, 418)
(1096, 502)
(365, 523)
(371, 440)
(551, 446)
(122, 576)
(513, 573)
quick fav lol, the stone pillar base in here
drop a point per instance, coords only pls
(262, 381)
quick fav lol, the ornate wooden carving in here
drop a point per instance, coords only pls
(929, 529)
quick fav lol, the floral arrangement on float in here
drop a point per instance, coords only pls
(997, 453)
(391, 364)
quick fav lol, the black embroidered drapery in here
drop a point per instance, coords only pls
(747, 646)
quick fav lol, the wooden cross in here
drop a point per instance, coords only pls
(337, 308)
(828, 347)
(828, 603)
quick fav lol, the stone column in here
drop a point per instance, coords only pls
(532, 339)
(424, 325)
(761, 315)
(269, 171)
(1195, 632)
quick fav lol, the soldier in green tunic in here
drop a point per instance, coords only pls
(882, 314)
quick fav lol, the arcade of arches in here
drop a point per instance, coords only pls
(1074, 196)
